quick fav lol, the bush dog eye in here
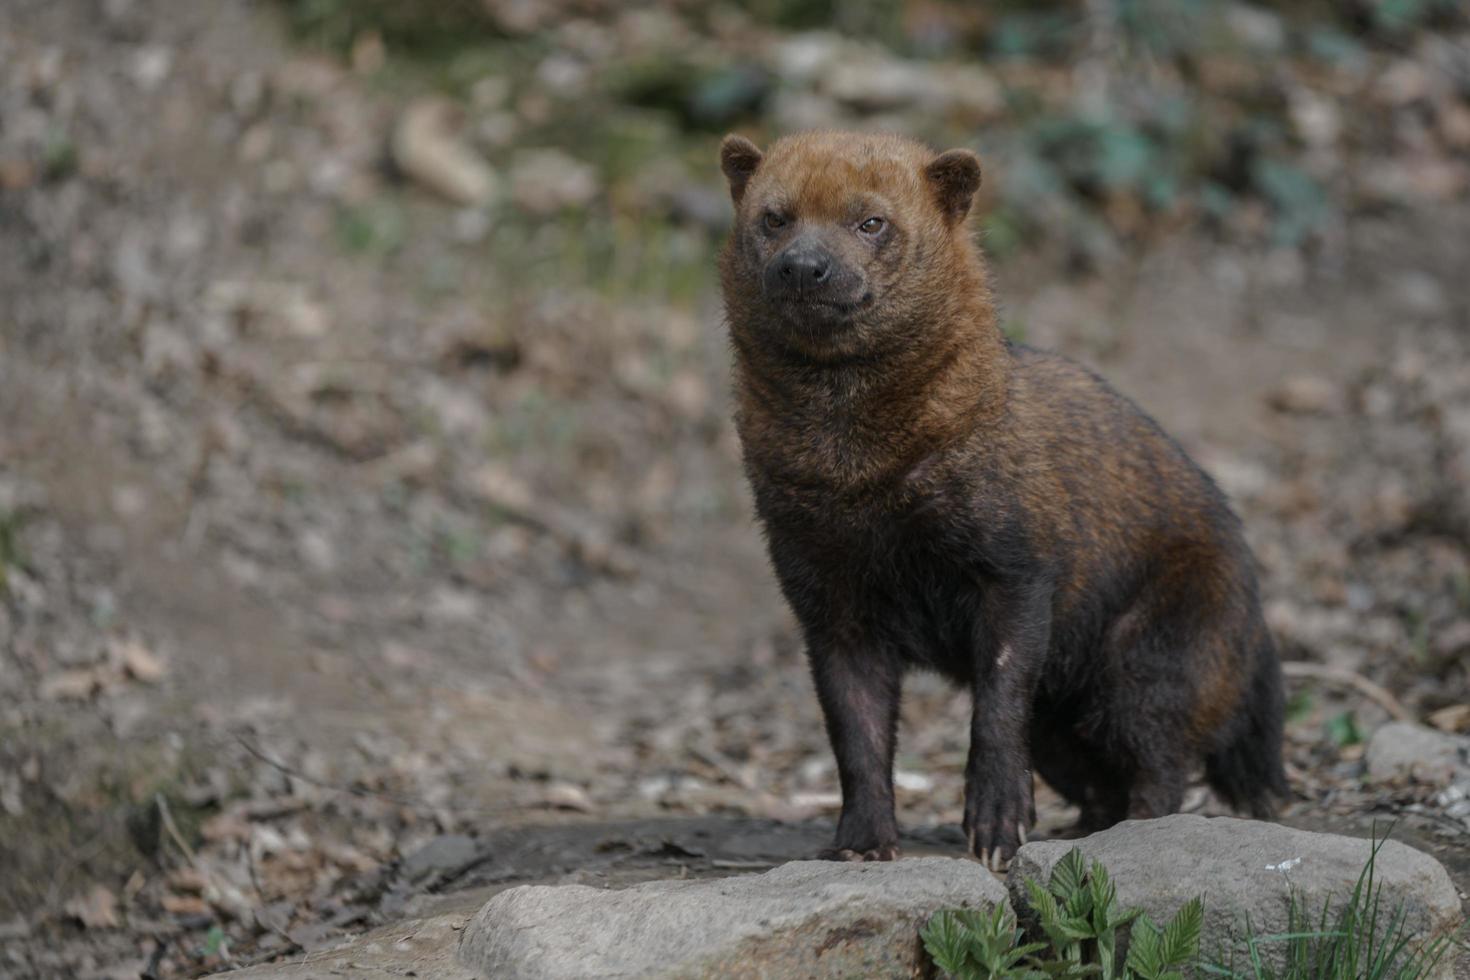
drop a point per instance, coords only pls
(937, 497)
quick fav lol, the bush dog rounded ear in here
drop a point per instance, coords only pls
(738, 159)
(955, 177)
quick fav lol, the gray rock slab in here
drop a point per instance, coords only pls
(1247, 867)
(1402, 750)
(803, 919)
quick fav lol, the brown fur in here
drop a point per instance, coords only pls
(934, 496)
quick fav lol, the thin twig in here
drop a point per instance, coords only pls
(167, 816)
(1379, 695)
(396, 799)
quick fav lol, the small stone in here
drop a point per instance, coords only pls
(546, 181)
(1402, 750)
(1316, 117)
(317, 550)
(806, 918)
(1256, 27)
(968, 89)
(471, 225)
(151, 66)
(451, 605)
(801, 57)
(567, 796)
(499, 487)
(128, 501)
(1419, 294)
(96, 909)
(1304, 394)
(247, 93)
(818, 800)
(12, 800)
(797, 110)
(284, 309)
(447, 853)
(875, 83)
(426, 147)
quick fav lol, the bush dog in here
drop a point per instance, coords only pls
(935, 496)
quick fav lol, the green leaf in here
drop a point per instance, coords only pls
(1065, 968)
(1107, 953)
(1343, 729)
(946, 942)
(1068, 876)
(1044, 905)
(1104, 896)
(1179, 944)
(1124, 155)
(1299, 706)
(1143, 949)
(1075, 928)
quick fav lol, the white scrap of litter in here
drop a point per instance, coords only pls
(914, 782)
(1284, 866)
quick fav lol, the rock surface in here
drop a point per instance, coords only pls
(1245, 867)
(1401, 750)
(806, 918)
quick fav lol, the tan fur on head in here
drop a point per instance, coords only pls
(921, 344)
(826, 184)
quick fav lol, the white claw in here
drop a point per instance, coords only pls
(1021, 830)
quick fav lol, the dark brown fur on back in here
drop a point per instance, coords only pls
(934, 496)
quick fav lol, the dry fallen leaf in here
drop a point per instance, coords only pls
(497, 486)
(97, 909)
(138, 661)
(186, 879)
(225, 827)
(567, 796)
(184, 905)
(1453, 719)
(72, 685)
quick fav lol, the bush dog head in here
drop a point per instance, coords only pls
(839, 239)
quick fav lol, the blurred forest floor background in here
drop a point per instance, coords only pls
(366, 484)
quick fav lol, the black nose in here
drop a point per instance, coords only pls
(804, 268)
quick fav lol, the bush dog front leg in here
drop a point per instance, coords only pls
(859, 689)
(999, 806)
